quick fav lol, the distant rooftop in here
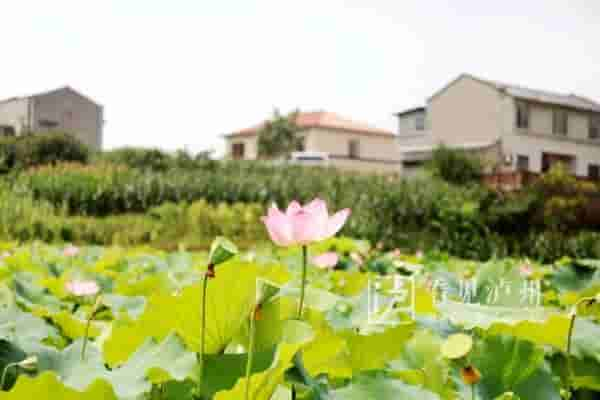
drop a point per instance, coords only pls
(322, 119)
(14, 98)
(410, 111)
(543, 96)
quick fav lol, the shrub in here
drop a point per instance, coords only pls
(39, 149)
(564, 198)
(550, 246)
(385, 209)
(212, 197)
(456, 166)
(144, 159)
(155, 159)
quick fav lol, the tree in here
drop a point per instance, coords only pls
(278, 137)
(456, 166)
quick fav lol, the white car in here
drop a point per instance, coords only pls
(310, 158)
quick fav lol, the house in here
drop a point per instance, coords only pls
(62, 109)
(350, 145)
(513, 126)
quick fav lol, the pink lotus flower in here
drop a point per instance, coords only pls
(303, 225)
(326, 260)
(396, 253)
(83, 288)
(419, 254)
(525, 270)
(70, 251)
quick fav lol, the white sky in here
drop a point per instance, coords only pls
(183, 72)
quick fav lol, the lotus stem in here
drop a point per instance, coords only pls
(303, 283)
(202, 332)
(88, 323)
(250, 352)
(473, 392)
(85, 336)
(573, 317)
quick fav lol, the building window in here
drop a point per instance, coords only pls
(420, 122)
(594, 171)
(300, 145)
(560, 122)
(522, 163)
(522, 115)
(237, 150)
(353, 148)
(594, 127)
(551, 159)
(6, 130)
(47, 124)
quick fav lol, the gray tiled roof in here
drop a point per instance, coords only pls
(543, 96)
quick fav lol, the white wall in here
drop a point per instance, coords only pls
(14, 113)
(539, 139)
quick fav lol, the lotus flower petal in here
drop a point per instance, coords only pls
(326, 260)
(83, 288)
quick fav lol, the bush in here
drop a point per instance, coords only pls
(40, 149)
(144, 159)
(564, 198)
(456, 166)
(384, 209)
(468, 221)
(550, 246)
(24, 219)
(155, 159)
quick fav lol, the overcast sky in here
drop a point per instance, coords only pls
(182, 72)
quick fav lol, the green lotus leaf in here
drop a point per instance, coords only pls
(9, 354)
(509, 364)
(230, 298)
(381, 388)
(296, 335)
(150, 363)
(73, 327)
(346, 353)
(47, 386)
(585, 339)
(421, 362)
(540, 325)
(23, 329)
(133, 306)
(457, 346)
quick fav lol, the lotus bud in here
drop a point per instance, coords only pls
(470, 375)
(29, 364)
(221, 251)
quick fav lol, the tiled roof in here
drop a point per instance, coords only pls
(49, 92)
(544, 96)
(410, 111)
(323, 119)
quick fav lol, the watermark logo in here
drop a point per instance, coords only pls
(389, 295)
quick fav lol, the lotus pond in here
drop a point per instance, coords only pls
(376, 325)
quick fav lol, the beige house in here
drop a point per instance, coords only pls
(63, 109)
(349, 145)
(514, 126)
